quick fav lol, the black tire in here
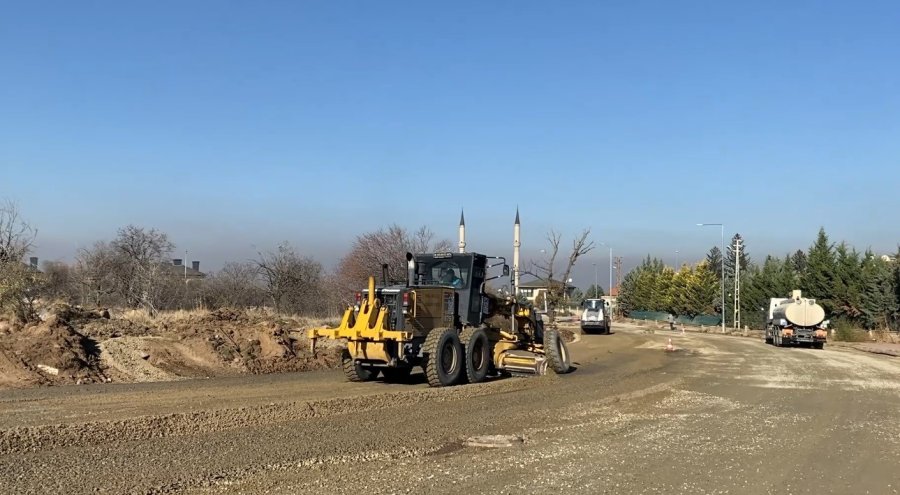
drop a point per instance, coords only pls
(477, 350)
(819, 345)
(556, 352)
(356, 372)
(444, 357)
(396, 375)
(585, 331)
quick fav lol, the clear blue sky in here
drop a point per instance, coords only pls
(235, 125)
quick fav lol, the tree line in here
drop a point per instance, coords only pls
(135, 270)
(861, 289)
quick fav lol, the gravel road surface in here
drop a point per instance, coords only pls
(718, 415)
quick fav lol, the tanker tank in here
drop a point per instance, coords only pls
(796, 320)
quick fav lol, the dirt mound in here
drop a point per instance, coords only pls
(268, 347)
(49, 352)
(200, 344)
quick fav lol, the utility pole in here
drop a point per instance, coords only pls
(737, 282)
(618, 271)
(596, 281)
(609, 287)
(618, 280)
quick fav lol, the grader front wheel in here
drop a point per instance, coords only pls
(443, 357)
(556, 351)
(354, 371)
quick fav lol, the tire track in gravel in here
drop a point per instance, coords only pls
(44, 437)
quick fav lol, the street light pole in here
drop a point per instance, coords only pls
(596, 281)
(676, 260)
(722, 227)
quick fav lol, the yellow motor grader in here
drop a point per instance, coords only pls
(444, 320)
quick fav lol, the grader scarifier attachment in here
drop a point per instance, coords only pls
(443, 320)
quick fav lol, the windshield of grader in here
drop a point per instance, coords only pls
(450, 270)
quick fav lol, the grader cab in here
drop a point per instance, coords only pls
(444, 320)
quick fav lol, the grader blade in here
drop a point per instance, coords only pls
(523, 362)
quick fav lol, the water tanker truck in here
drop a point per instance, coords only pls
(795, 320)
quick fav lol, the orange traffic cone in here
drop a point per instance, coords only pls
(670, 347)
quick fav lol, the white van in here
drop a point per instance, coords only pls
(595, 316)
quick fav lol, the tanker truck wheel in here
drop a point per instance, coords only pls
(444, 357)
(477, 353)
(556, 351)
(356, 372)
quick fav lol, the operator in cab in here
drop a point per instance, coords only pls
(448, 277)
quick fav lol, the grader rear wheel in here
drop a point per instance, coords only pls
(477, 353)
(556, 351)
(443, 357)
(354, 371)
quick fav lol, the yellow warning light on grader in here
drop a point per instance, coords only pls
(443, 320)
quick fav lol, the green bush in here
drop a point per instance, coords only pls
(845, 332)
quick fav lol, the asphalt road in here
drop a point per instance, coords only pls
(718, 415)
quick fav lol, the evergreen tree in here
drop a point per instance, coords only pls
(879, 293)
(594, 292)
(817, 281)
(665, 290)
(846, 296)
(799, 262)
(714, 261)
(774, 280)
(704, 290)
(730, 260)
(753, 293)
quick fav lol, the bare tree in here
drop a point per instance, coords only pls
(141, 259)
(20, 284)
(236, 285)
(292, 282)
(95, 273)
(386, 246)
(546, 270)
(16, 235)
(60, 281)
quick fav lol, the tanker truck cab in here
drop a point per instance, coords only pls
(595, 317)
